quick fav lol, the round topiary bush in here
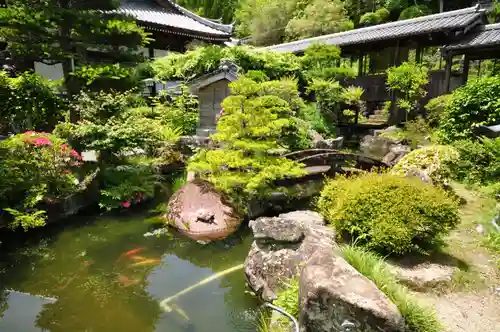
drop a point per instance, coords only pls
(387, 212)
(430, 162)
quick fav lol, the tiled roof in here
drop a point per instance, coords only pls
(174, 16)
(489, 35)
(447, 21)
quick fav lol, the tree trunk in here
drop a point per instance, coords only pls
(441, 6)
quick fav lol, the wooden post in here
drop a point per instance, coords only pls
(465, 74)
(418, 54)
(361, 65)
(447, 73)
(151, 54)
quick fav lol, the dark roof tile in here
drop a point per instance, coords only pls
(453, 20)
(489, 35)
(149, 11)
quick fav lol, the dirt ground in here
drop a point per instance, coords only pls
(472, 302)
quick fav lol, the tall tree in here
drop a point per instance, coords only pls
(273, 21)
(62, 31)
(320, 17)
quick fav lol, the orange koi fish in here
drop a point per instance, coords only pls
(138, 258)
(126, 281)
(130, 253)
(133, 252)
(146, 262)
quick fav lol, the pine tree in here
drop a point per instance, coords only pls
(257, 123)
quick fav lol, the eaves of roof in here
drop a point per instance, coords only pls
(487, 36)
(166, 16)
(462, 19)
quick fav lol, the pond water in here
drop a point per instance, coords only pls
(102, 274)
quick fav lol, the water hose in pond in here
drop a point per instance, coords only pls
(165, 303)
(283, 312)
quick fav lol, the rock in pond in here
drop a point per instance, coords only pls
(281, 246)
(202, 213)
(333, 296)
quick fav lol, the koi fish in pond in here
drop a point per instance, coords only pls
(126, 281)
(130, 253)
(146, 262)
(133, 252)
(138, 258)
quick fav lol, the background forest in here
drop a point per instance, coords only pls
(267, 22)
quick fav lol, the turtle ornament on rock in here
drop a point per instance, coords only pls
(202, 213)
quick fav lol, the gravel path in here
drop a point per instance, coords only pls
(468, 312)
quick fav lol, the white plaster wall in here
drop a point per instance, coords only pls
(51, 72)
(160, 53)
(144, 51)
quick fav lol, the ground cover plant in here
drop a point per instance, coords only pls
(418, 318)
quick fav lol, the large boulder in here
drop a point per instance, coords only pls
(376, 147)
(319, 142)
(281, 246)
(395, 154)
(202, 213)
(334, 296)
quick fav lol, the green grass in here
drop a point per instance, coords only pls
(493, 243)
(288, 299)
(179, 181)
(418, 318)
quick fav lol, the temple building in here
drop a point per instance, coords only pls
(172, 27)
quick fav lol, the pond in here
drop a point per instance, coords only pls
(103, 274)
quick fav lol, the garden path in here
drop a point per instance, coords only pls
(472, 301)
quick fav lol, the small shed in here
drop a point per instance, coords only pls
(211, 89)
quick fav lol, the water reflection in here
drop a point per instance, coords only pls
(106, 276)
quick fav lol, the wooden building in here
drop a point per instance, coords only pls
(379, 47)
(480, 44)
(172, 28)
(211, 89)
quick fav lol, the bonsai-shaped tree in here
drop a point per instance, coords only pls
(255, 128)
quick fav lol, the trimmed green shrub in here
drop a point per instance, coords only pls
(408, 81)
(479, 161)
(433, 161)
(29, 102)
(418, 318)
(387, 212)
(435, 109)
(472, 105)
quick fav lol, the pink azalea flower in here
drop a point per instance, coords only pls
(76, 154)
(42, 141)
(30, 133)
(126, 204)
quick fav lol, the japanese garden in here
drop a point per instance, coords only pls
(244, 165)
